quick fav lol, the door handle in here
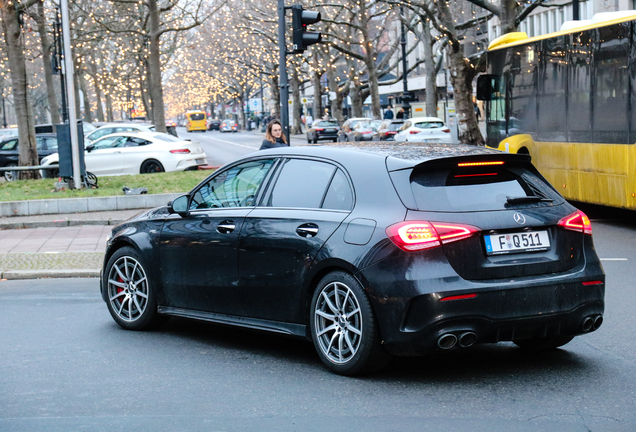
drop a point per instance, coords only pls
(226, 227)
(307, 230)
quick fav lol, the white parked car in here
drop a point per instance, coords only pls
(139, 153)
(424, 129)
(108, 129)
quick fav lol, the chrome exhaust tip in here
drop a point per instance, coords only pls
(588, 324)
(447, 341)
(467, 339)
(597, 322)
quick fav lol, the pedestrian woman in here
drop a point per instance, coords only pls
(274, 136)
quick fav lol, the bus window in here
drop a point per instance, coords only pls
(496, 106)
(523, 101)
(611, 85)
(579, 117)
(551, 90)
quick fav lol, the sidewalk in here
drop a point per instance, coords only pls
(56, 245)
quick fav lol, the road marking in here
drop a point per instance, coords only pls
(233, 143)
(613, 259)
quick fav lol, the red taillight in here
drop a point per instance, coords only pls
(419, 235)
(183, 151)
(577, 221)
(366, 132)
(458, 297)
(391, 133)
(592, 283)
(446, 130)
(319, 129)
(413, 132)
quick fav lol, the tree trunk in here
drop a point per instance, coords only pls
(276, 96)
(315, 82)
(372, 69)
(431, 73)
(98, 92)
(462, 78)
(40, 19)
(144, 70)
(88, 116)
(296, 105)
(27, 150)
(154, 66)
(241, 112)
(336, 105)
(356, 97)
(109, 108)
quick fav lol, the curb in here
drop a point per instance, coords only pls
(41, 274)
(58, 223)
(83, 205)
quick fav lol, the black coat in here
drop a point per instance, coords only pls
(267, 144)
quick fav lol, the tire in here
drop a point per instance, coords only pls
(11, 175)
(308, 140)
(343, 327)
(131, 291)
(151, 166)
(544, 343)
(335, 140)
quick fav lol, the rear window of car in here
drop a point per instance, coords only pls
(9, 145)
(480, 188)
(328, 124)
(428, 125)
(166, 137)
(395, 126)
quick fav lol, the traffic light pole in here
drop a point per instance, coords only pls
(282, 69)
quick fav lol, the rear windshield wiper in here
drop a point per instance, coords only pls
(527, 199)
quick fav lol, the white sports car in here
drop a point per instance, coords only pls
(138, 153)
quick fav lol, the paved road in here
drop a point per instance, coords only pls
(65, 365)
(222, 148)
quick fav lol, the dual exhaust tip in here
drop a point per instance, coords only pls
(591, 323)
(450, 340)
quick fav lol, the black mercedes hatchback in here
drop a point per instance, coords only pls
(367, 250)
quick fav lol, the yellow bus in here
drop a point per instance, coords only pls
(196, 121)
(569, 100)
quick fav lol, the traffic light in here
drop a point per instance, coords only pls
(300, 20)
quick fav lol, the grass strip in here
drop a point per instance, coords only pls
(173, 182)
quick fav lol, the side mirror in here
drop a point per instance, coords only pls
(180, 206)
(486, 86)
(89, 147)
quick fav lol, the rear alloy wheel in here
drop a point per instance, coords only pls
(343, 328)
(151, 166)
(130, 292)
(11, 175)
(544, 343)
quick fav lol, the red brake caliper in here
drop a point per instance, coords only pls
(120, 289)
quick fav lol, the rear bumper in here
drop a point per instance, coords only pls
(413, 315)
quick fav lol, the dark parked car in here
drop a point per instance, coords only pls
(214, 124)
(387, 130)
(323, 130)
(46, 145)
(369, 250)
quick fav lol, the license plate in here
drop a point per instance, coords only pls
(330, 130)
(431, 140)
(200, 161)
(528, 241)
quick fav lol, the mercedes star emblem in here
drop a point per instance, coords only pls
(519, 218)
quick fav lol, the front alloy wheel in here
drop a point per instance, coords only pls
(343, 327)
(129, 291)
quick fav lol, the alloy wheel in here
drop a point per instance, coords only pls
(127, 288)
(338, 323)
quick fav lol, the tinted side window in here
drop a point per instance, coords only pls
(51, 143)
(301, 184)
(552, 86)
(235, 187)
(339, 195)
(10, 145)
(611, 89)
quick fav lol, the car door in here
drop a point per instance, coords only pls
(135, 151)
(198, 252)
(104, 157)
(282, 236)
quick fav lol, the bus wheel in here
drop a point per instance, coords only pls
(523, 150)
